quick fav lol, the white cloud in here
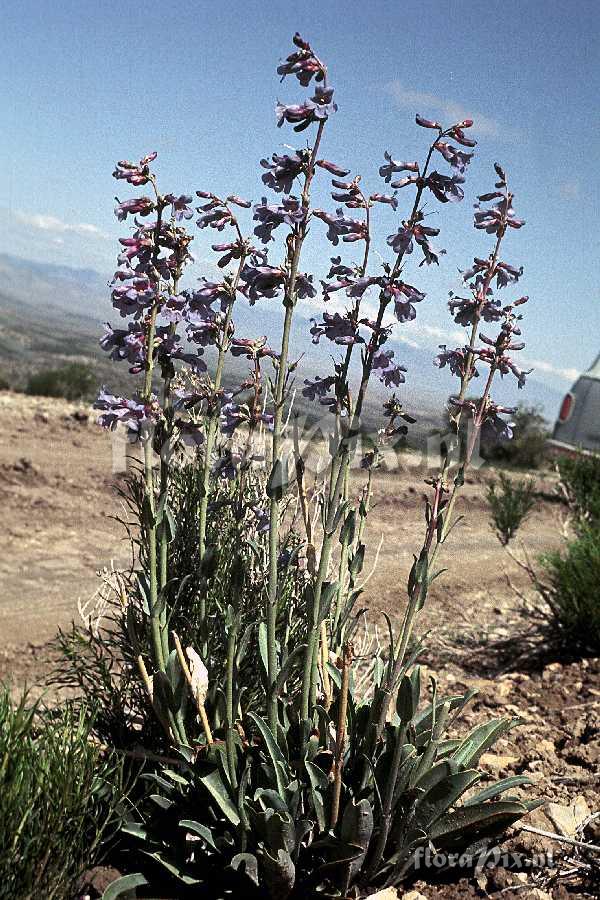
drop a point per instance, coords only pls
(424, 103)
(54, 225)
(546, 368)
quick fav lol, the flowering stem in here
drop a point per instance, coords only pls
(432, 529)
(210, 436)
(295, 245)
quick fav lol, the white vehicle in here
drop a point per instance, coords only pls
(578, 425)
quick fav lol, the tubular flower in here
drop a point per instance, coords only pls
(135, 173)
(282, 172)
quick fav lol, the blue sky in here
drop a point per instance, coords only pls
(83, 84)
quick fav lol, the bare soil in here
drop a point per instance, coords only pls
(58, 496)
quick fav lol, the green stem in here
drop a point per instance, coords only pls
(289, 301)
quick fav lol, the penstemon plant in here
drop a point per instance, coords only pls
(330, 775)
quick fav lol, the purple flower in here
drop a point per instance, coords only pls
(214, 213)
(180, 206)
(174, 307)
(338, 268)
(302, 63)
(446, 188)
(261, 281)
(135, 414)
(491, 220)
(201, 300)
(135, 173)
(129, 344)
(341, 226)
(331, 167)
(507, 274)
(390, 199)
(133, 294)
(427, 123)
(304, 286)
(459, 136)
(456, 360)
(337, 328)
(386, 171)
(252, 349)
(193, 360)
(404, 296)
(271, 216)
(284, 170)
(402, 241)
(141, 206)
(320, 387)
(458, 159)
(317, 109)
(495, 428)
(389, 373)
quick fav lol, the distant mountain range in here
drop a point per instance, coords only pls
(50, 314)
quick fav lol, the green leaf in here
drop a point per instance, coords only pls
(124, 885)
(171, 867)
(318, 786)
(214, 785)
(278, 759)
(442, 795)
(481, 739)
(494, 790)
(246, 863)
(473, 819)
(286, 669)
(199, 829)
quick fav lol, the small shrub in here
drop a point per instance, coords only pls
(572, 590)
(75, 381)
(58, 800)
(580, 481)
(4, 384)
(527, 449)
(510, 503)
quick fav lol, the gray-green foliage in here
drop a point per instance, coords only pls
(271, 827)
(511, 500)
(60, 799)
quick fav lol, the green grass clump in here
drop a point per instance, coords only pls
(510, 502)
(573, 580)
(58, 800)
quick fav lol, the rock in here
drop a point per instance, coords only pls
(387, 894)
(413, 895)
(568, 819)
(497, 762)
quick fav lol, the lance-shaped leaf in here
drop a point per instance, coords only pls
(471, 821)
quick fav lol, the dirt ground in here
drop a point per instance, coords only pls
(57, 494)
